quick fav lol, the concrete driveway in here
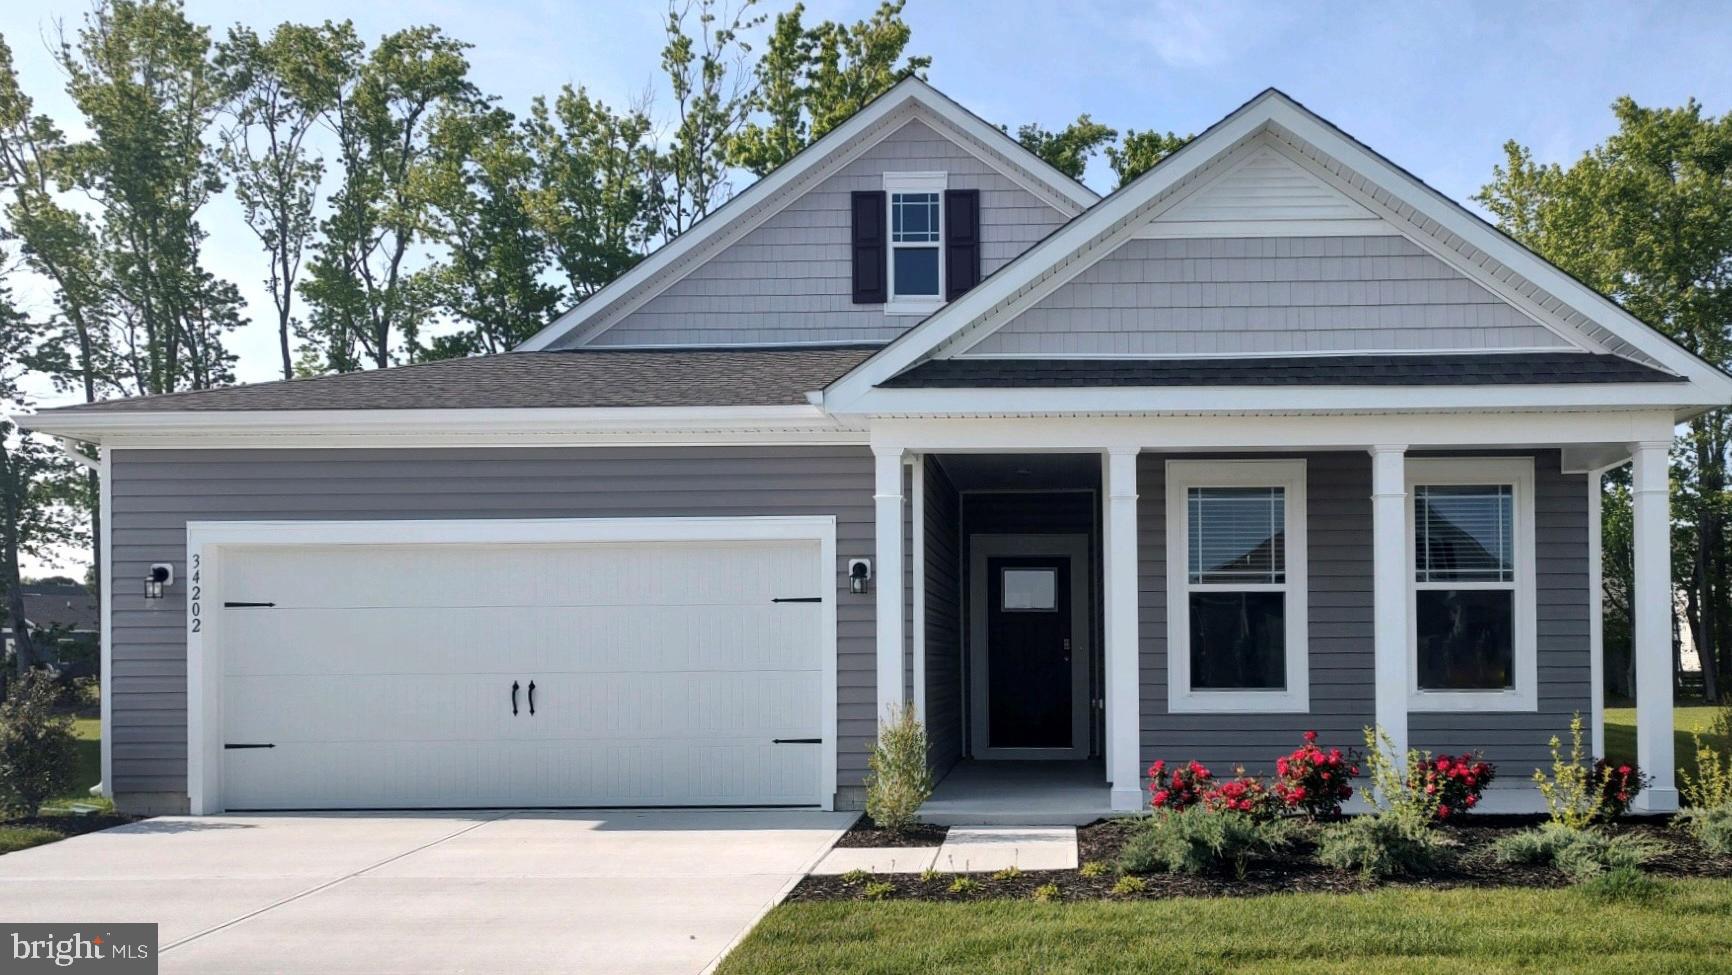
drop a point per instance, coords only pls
(664, 891)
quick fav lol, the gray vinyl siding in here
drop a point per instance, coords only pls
(1267, 296)
(1341, 661)
(943, 621)
(790, 278)
(156, 492)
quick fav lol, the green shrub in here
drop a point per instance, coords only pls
(1008, 873)
(1711, 827)
(1626, 884)
(856, 876)
(878, 890)
(1200, 840)
(1711, 786)
(1094, 868)
(1046, 892)
(38, 751)
(1396, 785)
(1393, 843)
(930, 875)
(1575, 792)
(899, 782)
(964, 884)
(1128, 885)
(1581, 854)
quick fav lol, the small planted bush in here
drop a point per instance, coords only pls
(1313, 781)
(1182, 788)
(1618, 782)
(1711, 827)
(1456, 781)
(879, 890)
(1094, 868)
(1199, 840)
(38, 751)
(963, 884)
(1580, 853)
(1578, 794)
(1129, 885)
(899, 782)
(1046, 892)
(1243, 794)
(1711, 786)
(1383, 845)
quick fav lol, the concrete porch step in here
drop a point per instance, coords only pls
(1027, 793)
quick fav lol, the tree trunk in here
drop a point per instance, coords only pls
(22, 640)
(1707, 634)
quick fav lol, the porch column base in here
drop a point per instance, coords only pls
(1655, 800)
(1127, 800)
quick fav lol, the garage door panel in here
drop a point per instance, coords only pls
(663, 674)
(499, 640)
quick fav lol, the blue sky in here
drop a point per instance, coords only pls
(1437, 87)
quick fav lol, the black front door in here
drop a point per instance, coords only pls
(1028, 645)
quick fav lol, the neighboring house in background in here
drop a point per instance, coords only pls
(64, 617)
(1273, 438)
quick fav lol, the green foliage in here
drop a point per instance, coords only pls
(1573, 796)
(1623, 885)
(963, 884)
(704, 61)
(1711, 786)
(930, 875)
(1008, 873)
(856, 876)
(1130, 885)
(1579, 852)
(1200, 840)
(1396, 785)
(1138, 152)
(1045, 893)
(38, 752)
(810, 80)
(1094, 868)
(1069, 149)
(899, 782)
(1393, 843)
(1712, 827)
(878, 890)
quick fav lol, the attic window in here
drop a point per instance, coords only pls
(916, 202)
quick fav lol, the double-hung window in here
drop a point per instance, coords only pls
(1236, 586)
(916, 202)
(1473, 621)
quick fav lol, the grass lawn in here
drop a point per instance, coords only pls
(1621, 734)
(1687, 928)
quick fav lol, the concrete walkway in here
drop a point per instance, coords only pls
(480, 892)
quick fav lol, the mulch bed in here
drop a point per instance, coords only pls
(70, 825)
(1471, 865)
(866, 834)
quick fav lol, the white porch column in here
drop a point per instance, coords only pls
(1652, 607)
(1390, 586)
(1596, 615)
(1119, 565)
(887, 575)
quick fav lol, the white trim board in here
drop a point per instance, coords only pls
(207, 540)
(769, 195)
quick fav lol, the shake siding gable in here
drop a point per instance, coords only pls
(791, 278)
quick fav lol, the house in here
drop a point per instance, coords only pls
(63, 616)
(1273, 438)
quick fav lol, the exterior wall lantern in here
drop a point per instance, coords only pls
(161, 574)
(859, 574)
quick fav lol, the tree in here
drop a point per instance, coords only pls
(1646, 217)
(811, 80)
(1138, 152)
(139, 72)
(479, 176)
(279, 89)
(712, 94)
(589, 195)
(366, 302)
(1069, 149)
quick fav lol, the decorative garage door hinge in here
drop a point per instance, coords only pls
(246, 605)
(797, 599)
(796, 741)
(246, 744)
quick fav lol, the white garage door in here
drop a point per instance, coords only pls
(618, 674)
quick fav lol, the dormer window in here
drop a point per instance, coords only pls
(915, 244)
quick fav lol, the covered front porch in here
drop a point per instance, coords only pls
(1032, 621)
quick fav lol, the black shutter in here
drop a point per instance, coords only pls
(961, 241)
(871, 247)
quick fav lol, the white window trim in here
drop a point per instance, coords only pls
(1182, 475)
(895, 183)
(1518, 473)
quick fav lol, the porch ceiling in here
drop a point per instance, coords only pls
(1028, 472)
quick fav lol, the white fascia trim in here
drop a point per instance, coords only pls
(781, 423)
(1517, 472)
(1679, 397)
(909, 92)
(207, 540)
(1296, 354)
(1289, 475)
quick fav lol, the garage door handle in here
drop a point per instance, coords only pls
(532, 697)
(513, 697)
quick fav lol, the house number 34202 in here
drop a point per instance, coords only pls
(192, 597)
